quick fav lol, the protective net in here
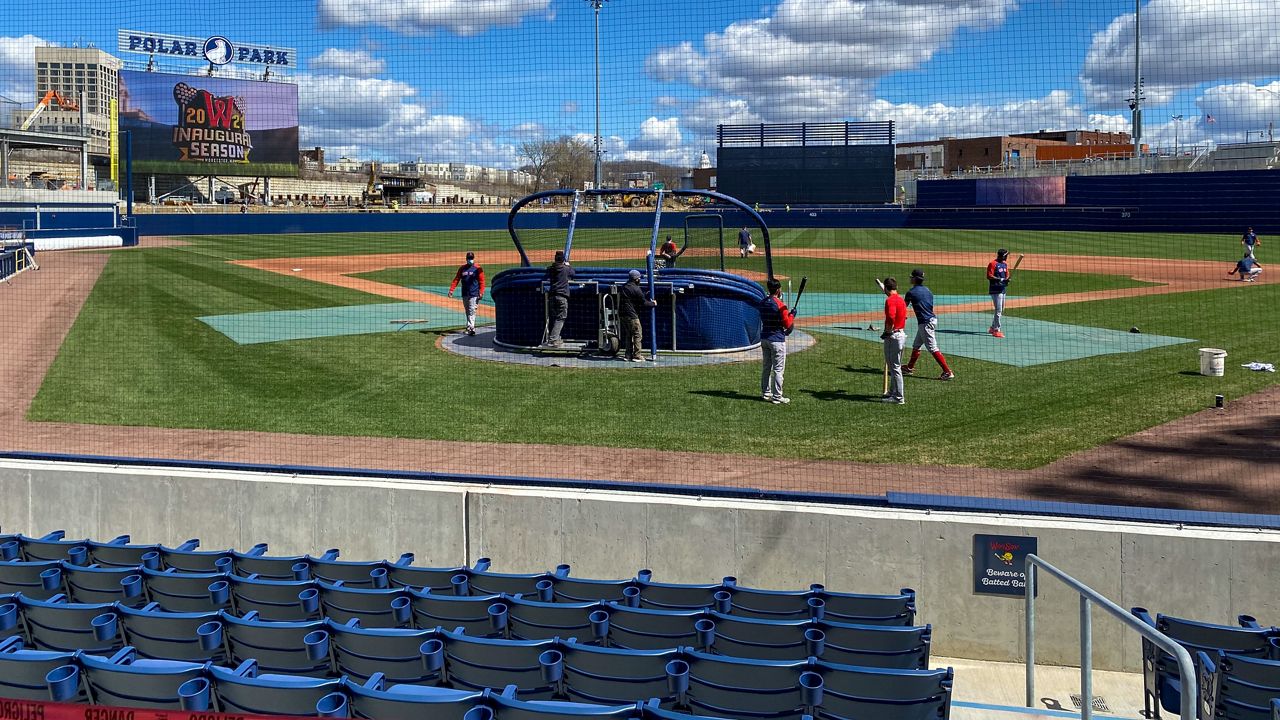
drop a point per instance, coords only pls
(303, 182)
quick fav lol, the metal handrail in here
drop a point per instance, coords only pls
(1186, 671)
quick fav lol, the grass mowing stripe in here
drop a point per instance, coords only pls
(182, 374)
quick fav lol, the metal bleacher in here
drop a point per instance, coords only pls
(121, 624)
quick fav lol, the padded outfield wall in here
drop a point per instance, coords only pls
(606, 534)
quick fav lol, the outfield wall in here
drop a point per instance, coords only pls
(1206, 202)
(1212, 575)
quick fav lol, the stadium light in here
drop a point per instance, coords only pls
(1177, 123)
(1136, 104)
(596, 5)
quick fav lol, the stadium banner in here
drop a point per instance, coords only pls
(216, 49)
(1017, 191)
(193, 125)
(11, 709)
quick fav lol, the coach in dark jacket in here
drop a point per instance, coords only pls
(631, 299)
(558, 276)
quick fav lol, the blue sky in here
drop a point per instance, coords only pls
(468, 80)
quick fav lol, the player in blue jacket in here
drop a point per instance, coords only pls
(920, 299)
(776, 323)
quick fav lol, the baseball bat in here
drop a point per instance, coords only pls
(799, 294)
(880, 283)
(1016, 263)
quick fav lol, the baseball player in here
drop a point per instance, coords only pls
(471, 276)
(776, 323)
(895, 338)
(745, 246)
(997, 282)
(920, 299)
(1249, 240)
(1247, 267)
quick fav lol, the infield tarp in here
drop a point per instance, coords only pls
(1026, 342)
(280, 325)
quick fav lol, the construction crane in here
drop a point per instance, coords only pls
(49, 97)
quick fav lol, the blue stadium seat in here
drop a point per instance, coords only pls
(491, 583)
(396, 653)
(381, 699)
(190, 560)
(278, 647)
(256, 563)
(374, 574)
(158, 635)
(675, 596)
(1234, 687)
(505, 706)
(612, 676)
(58, 625)
(652, 629)
(818, 603)
(93, 584)
(39, 580)
(244, 690)
(373, 607)
(473, 663)
(578, 590)
(281, 600)
(533, 620)
(176, 591)
(850, 692)
(23, 672)
(437, 580)
(904, 648)
(1161, 687)
(127, 680)
(112, 554)
(55, 546)
(471, 613)
(734, 687)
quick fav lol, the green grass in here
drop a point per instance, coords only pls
(141, 316)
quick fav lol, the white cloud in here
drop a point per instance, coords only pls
(385, 119)
(570, 107)
(463, 17)
(813, 61)
(18, 67)
(351, 63)
(1184, 43)
(1055, 111)
(850, 39)
(658, 135)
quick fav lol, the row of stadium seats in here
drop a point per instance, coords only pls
(726, 596)
(58, 625)
(1237, 667)
(450, 665)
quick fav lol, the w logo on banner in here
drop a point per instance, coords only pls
(210, 128)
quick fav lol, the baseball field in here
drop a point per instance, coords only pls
(151, 348)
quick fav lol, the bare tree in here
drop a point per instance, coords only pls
(573, 162)
(540, 154)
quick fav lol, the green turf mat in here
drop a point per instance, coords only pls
(1026, 342)
(278, 325)
(814, 304)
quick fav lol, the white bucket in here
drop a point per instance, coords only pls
(1212, 361)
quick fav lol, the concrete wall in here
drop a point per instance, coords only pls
(1212, 575)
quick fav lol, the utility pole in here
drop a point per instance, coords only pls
(596, 5)
(1136, 103)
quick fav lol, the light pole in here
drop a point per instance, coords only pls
(1136, 104)
(1177, 123)
(596, 5)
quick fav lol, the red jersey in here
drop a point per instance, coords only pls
(895, 312)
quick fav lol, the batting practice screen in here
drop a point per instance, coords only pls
(193, 124)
